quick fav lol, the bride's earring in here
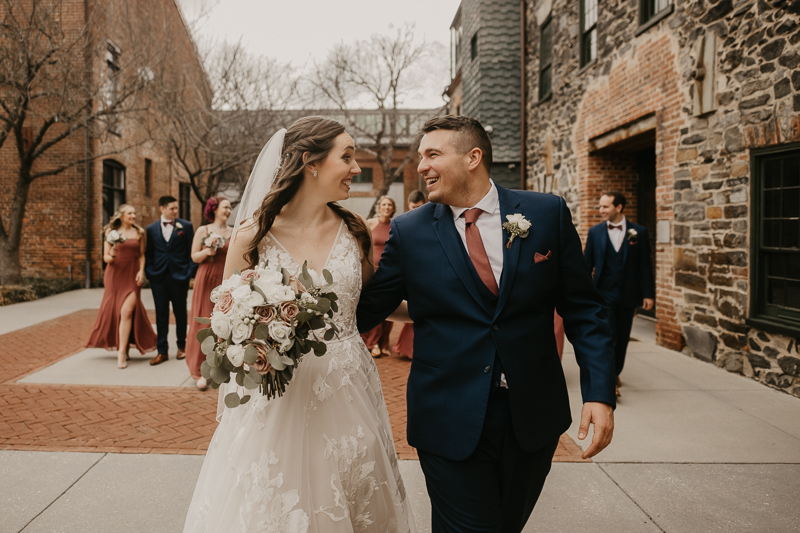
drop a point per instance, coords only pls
(314, 172)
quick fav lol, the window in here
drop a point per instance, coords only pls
(545, 61)
(113, 188)
(473, 47)
(148, 177)
(364, 177)
(456, 32)
(651, 9)
(185, 201)
(776, 239)
(111, 88)
(588, 31)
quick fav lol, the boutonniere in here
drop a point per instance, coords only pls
(632, 234)
(178, 225)
(517, 226)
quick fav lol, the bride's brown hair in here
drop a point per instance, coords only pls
(314, 135)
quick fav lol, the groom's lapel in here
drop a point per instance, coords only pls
(508, 206)
(448, 235)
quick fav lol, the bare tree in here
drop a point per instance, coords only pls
(375, 74)
(220, 139)
(51, 92)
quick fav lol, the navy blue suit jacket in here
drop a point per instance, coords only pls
(169, 261)
(457, 335)
(638, 268)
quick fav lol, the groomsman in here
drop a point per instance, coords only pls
(619, 253)
(168, 266)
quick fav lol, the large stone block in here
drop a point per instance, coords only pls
(685, 259)
(690, 281)
(758, 361)
(690, 212)
(790, 365)
(702, 344)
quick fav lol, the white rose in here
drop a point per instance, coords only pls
(235, 353)
(520, 221)
(215, 292)
(253, 300)
(281, 333)
(231, 283)
(240, 331)
(113, 235)
(241, 293)
(277, 294)
(269, 275)
(221, 325)
(316, 279)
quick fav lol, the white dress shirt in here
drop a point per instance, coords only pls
(166, 229)
(616, 236)
(490, 225)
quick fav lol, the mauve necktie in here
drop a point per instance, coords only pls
(477, 253)
(614, 226)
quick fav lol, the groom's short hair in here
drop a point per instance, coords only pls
(166, 200)
(470, 134)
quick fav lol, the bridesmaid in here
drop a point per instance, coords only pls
(405, 342)
(377, 340)
(209, 276)
(122, 320)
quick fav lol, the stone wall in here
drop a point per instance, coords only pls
(703, 182)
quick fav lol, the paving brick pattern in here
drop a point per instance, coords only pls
(84, 418)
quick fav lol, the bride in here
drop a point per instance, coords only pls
(321, 458)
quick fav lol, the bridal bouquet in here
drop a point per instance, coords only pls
(115, 237)
(263, 322)
(213, 241)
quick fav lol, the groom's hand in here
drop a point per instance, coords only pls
(602, 416)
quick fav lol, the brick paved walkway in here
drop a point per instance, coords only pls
(133, 419)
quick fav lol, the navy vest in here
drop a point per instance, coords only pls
(611, 279)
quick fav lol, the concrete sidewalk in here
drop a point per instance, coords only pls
(695, 449)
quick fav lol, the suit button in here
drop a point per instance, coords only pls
(495, 328)
(487, 369)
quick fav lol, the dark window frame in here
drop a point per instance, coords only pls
(148, 177)
(185, 201)
(648, 16)
(113, 195)
(588, 54)
(764, 315)
(113, 70)
(545, 67)
(473, 46)
(362, 178)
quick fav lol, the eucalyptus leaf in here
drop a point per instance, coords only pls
(261, 332)
(334, 307)
(203, 334)
(244, 399)
(259, 291)
(215, 385)
(324, 305)
(304, 316)
(232, 400)
(332, 296)
(249, 384)
(240, 379)
(329, 334)
(288, 361)
(202, 320)
(286, 276)
(250, 354)
(327, 276)
(207, 346)
(274, 360)
(316, 322)
(211, 359)
(205, 370)
(219, 376)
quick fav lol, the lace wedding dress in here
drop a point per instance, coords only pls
(320, 459)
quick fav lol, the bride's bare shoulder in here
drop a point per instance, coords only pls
(247, 229)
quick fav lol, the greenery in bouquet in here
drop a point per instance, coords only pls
(264, 321)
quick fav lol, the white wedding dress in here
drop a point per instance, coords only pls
(320, 459)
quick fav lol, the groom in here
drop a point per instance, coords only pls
(487, 399)
(168, 265)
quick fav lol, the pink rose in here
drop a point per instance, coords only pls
(249, 275)
(289, 311)
(261, 365)
(225, 302)
(266, 314)
(295, 285)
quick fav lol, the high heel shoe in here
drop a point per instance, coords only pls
(376, 351)
(122, 360)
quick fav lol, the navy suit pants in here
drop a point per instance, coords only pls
(166, 292)
(620, 319)
(494, 489)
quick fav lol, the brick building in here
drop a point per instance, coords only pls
(62, 229)
(692, 109)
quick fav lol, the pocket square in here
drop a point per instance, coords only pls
(538, 258)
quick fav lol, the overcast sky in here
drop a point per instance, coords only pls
(299, 31)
